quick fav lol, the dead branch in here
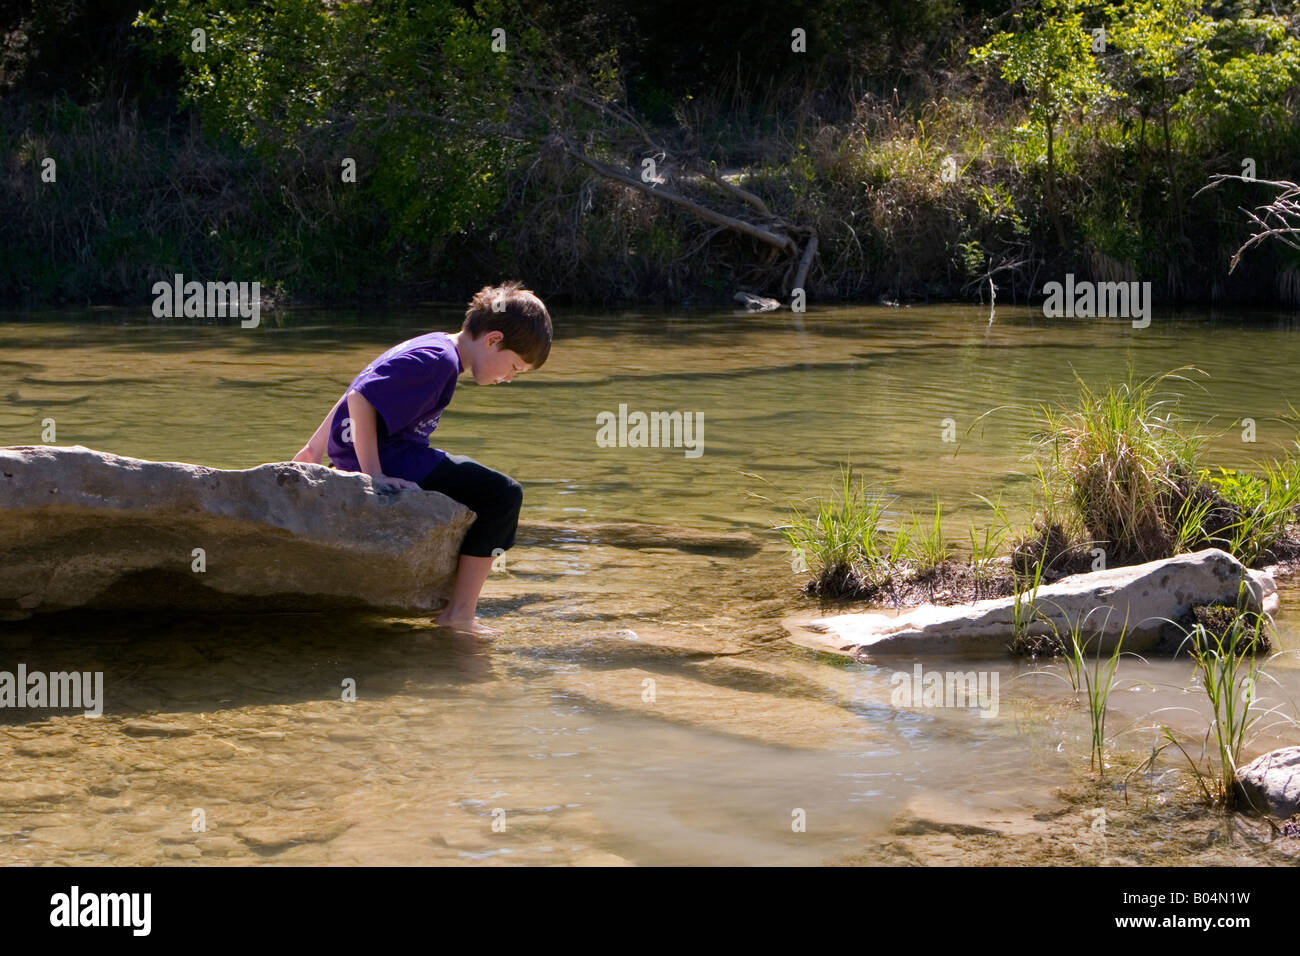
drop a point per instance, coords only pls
(809, 251)
(711, 172)
(1280, 219)
(774, 239)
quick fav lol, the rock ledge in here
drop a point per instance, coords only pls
(83, 528)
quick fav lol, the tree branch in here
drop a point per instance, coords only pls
(777, 240)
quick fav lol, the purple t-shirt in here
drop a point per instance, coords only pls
(409, 385)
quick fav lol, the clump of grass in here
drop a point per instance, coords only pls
(1093, 676)
(1121, 455)
(985, 546)
(1023, 613)
(841, 540)
(1193, 522)
(1230, 687)
(1129, 470)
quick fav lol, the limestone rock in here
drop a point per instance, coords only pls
(82, 528)
(1271, 783)
(1139, 600)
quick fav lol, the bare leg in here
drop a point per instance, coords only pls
(459, 612)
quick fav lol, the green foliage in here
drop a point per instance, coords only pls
(1242, 79)
(407, 90)
(1097, 681)
(1268, 506)
(1162, 42)
(927, 546)
(1228, 73)
(1050, 54)
(1238, 487)
(434, 119)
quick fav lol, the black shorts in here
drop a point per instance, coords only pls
(494, 497)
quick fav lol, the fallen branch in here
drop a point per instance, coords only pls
(809, 252)
(774, 239)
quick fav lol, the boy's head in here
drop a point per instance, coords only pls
(507, 319)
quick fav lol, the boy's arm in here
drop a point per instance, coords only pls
(314, 450)
(365, 443)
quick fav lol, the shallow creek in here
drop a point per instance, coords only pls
(644, 703)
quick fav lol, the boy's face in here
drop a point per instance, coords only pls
(495, 364)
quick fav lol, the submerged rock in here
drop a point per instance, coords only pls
(1271, 783)
(82, 528)
(1139, 601)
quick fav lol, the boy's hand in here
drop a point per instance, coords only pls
(388, 483)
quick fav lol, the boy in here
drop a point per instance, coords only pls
(382, 424)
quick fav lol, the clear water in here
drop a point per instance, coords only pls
(643, 704)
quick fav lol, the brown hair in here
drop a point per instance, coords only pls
(517, 314)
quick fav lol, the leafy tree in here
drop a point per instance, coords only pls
(1244, 74)
(1050, 54)
(1161, 42)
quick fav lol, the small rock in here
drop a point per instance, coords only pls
(46, 748)
(18, 794)
(756, 303)
(66, 839)
(142, 728)
(272, 838)
(1271, 783)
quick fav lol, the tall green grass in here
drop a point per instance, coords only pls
(841, 538)
(1121, 456)
(1227, 665)
(928, 548)
(1095, 678)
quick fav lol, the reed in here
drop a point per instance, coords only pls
(928, 549)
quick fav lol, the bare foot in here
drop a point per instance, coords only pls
(466, 626)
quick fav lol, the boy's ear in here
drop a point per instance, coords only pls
(493, 338)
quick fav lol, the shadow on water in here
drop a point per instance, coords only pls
(174, 663)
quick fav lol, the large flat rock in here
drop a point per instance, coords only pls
(82, 528)
(1139, 600)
